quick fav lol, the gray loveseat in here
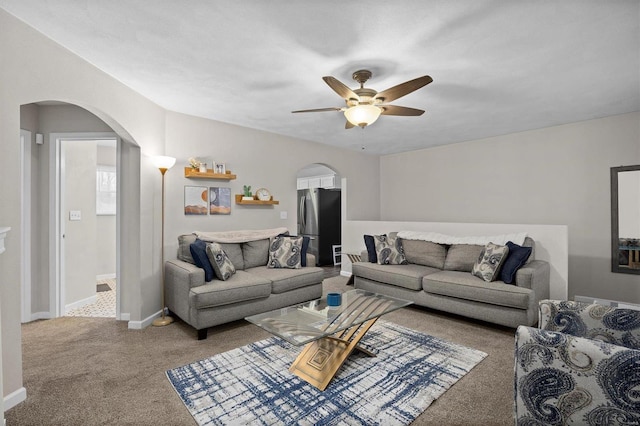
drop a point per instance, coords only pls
(440, 278)
(253, 288)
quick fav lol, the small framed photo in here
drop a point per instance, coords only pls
(220, 168)
(219, 200)
(196, 200)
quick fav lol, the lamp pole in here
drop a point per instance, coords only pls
(163, 163)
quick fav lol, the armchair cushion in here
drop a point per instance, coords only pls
(607, 323)
(561, 379)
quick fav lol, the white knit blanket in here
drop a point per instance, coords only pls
(239, 236)
(517, 238)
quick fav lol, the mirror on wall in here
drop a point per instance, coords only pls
(625, 219)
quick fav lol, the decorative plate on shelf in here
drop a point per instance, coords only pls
(263, 194)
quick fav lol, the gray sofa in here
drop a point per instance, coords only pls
(443, 281)
(253, 289)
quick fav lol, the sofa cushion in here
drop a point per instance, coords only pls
(222, 266)
(184, 247)
(462, 257)
(490, 261)
(406, 276)
(465, 286)
(255, 253)
(286, 279)
(234, 251)
(389, 250)
(199, 253)
(517, 257)
(424, 253)
(285, 252)
(240, 287)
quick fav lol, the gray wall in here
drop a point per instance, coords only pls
(556, 176)
(259, 159)
(34, 69)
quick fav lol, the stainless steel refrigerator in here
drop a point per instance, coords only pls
(319, 219)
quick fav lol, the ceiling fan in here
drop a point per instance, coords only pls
(365, 105)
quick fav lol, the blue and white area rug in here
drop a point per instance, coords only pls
(253, 385)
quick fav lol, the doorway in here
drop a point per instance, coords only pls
(85, 282)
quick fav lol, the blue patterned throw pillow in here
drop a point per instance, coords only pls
(220, 261)
(488, 264)
(389, 250)
(285, 252)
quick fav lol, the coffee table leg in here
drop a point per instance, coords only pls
(319, 361)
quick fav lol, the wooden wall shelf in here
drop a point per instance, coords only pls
(255, 202)
(192, 173)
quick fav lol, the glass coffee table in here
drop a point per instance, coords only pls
(330, 333)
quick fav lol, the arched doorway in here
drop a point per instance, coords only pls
(56, 128)
(319, 212)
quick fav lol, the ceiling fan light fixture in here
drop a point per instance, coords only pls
(362, 115)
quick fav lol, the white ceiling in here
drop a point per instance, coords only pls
(498, 66)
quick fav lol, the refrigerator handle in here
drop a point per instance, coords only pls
(301, 214)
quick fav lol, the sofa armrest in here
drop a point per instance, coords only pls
(179, 278)
(535, 276)
(610, 324)
(561, 379)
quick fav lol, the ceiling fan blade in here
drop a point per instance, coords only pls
(340, 88)
(349, 125)
(400, 110)
(402, 89)
(319, 110)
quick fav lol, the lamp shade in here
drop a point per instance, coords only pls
(163, 162)
(362, 115)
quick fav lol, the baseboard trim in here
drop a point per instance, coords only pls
(124, 316)
(80, 303)
(139, 325)
(345, 273)
(40, 316)
(15, 398)
(106, 277)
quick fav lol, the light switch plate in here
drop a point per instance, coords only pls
(75, 215)
(283, 215)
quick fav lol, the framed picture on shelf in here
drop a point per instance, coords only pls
(196, 200)
(219, 200)
(220, 168)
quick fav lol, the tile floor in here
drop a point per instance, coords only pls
(105, 305)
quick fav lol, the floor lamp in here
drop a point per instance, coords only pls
(163, 163)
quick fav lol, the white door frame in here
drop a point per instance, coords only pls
(56, 219)
(25, 226)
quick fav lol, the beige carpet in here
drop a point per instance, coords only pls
(94, 371)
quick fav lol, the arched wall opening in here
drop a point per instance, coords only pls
(58, 121)
(319, 211)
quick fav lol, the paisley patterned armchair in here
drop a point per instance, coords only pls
(582, 366)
